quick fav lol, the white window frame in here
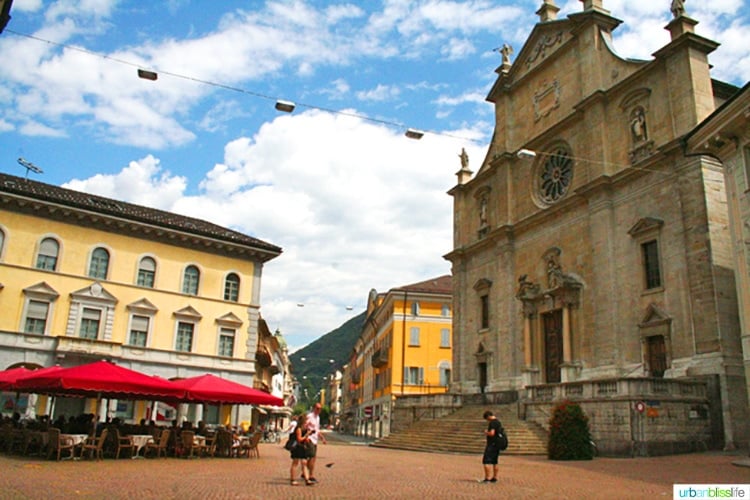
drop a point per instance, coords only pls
(445, 337)
(38, 253)
(445, 311)
(149, 319)
(237, 291)
(415, 308)
(91, 261)
(186, 283)
(414, 334)
(40, 292)
(193, 339)
(223, 333)
(82, 318)
(445, 373)
(139, 266)
(412, 372)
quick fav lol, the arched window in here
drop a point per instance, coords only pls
(2, 241)
(99, 264)
(146, 272)
(232, 287)
(190, 280)
(49, 250)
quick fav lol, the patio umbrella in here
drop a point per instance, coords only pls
(216, 390)
(8, 377)
(101, 379)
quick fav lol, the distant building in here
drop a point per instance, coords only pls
(593, 255)
(83, 277)
(404, 350)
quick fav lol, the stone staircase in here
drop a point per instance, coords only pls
(462, 432)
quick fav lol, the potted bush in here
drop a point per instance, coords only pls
(569, 435)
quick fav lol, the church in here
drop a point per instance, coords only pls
(592, 257)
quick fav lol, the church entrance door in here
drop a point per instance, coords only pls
(553, 351)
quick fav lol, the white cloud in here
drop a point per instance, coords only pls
(354, 205)
(379, 93)
(40, 130)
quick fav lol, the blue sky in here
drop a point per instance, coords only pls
(354, 204)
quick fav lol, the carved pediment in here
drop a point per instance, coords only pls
(482, 284)
(229, 319)
(188, 313)
(645, 225)
(142, 306)
(654, 316)
(94, 293)
(41, 290)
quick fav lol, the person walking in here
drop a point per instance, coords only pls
(312, 424)
(492, 448)
(299, 452)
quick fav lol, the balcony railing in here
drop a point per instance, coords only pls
(380, 358)
(616, 388)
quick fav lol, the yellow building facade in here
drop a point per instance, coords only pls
(404, 350)
(83, 277)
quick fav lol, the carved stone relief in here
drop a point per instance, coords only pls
(541, 48)
(546, 99)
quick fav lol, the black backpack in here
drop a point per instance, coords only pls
(502, 440)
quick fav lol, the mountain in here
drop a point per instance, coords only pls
(335, 345)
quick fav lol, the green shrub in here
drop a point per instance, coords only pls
(569, 435)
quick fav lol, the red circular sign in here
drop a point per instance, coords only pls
(640, 406)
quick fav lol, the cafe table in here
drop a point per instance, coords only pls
(140, 440)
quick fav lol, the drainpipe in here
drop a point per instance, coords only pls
(403, 343)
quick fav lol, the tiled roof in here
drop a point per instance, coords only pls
(441, 284)
(129, 211)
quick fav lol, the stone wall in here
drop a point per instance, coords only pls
(637, 417)
(410, 409)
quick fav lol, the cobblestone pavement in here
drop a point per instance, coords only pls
(347, 471)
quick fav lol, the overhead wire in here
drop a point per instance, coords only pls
(230, 87)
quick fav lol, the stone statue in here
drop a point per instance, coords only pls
(526, 289)
(506, 50)
(464, 159)
(677, 8)
(483, 211)
(638, 125)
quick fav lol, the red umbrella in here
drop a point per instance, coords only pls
(8, 377)
(100, 379)
(216, 390)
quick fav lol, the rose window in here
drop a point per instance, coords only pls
(555, 176)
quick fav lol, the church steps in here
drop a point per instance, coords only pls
(462, 432)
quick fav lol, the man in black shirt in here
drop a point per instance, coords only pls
(492, 449)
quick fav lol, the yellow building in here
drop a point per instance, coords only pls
(83, 277)
(404, 350)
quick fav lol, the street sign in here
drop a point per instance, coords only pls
(368, 411)
(640, 406)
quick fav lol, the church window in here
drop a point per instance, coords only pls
(484, 301)
(555, 175)
(651, 264)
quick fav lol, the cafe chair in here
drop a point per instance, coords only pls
(159, 446)
(94, 446)
(124, 443)
(250, 448)
(190, 447)
(56, 444)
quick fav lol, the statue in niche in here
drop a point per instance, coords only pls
(464, 159)
(677, 8)
(638, 125)
(526, 289)
(483, 211)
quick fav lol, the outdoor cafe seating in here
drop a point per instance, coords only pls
(93, 446)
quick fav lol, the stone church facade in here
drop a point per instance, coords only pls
(592, 256)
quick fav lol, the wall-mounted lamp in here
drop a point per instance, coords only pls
(147, 75)
(526, 154)
(413, 133)
(285, 106)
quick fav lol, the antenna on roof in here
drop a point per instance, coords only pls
(29, 166)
